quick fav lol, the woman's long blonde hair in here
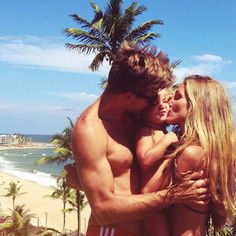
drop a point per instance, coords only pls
(210, 123)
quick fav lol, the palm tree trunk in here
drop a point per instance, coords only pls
(13, 203)
(78, 211)
(64, 217)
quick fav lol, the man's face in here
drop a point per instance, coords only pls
(143, 100)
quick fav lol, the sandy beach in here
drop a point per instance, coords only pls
(47, 211)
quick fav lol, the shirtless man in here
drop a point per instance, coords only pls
(103, 147)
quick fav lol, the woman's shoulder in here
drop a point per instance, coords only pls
(192, 158)
(193, 152)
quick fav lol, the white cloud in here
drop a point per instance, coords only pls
(208, 58)
(42, 53)
(206, 64)
(70, 104)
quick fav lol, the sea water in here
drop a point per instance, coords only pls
(22, 163)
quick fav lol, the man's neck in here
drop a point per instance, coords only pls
(112, 107)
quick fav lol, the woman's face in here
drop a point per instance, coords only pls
(178, 108)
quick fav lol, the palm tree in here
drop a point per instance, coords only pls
(63, 151)
(66, 195)
(18, 224)
(13, 191)
(104, 34)
(64, 154)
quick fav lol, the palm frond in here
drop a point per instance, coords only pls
(98, 14)
(63, 151)
(93, 28)
(56, 138)
(111, 15)
(69, 210)
(103, 83)
(143, 39)
(85, 24)
(97, 61)
(71, 122)
(113, 9)
(62, 140)
(174, 64)
(130, 9)
(98, 29)
(84, 48)
(143, 29)
(139, 10)
(57, 159)
(82, 35)
(128, 18)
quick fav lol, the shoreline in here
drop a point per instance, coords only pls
(47, 211)
(31, 145)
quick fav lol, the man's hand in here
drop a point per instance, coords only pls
(193, 189)
(72, 180)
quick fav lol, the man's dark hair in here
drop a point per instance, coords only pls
(138, 69)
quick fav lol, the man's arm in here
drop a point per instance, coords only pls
(89, 146)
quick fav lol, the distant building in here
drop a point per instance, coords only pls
(12, 139)
(5, 139)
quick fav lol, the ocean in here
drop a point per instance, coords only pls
(40, 138)
(22, 162)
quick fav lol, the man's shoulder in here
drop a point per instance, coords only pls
(88, 123)
(88, 132)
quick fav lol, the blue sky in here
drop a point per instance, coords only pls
(41, 83)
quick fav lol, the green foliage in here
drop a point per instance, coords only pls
(63, 153)
(62, 143)
(104, 34)
(13, 191)
(62, 192)
(18, 224)
(226, 231)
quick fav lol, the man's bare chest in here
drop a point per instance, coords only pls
(120, 151)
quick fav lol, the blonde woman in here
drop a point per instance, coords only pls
(201, 108)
